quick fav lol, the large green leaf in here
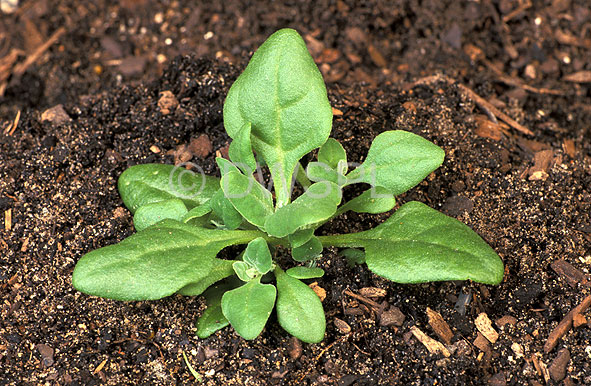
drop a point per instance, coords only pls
(143, 184)
(281, 93)
(155, 262)
(317, 204)
(220, 269)
(299, 310)
(419, 244)
(248, 307)
(149, 214)
(250, 198)
(398, 160)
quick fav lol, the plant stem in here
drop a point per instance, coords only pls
(301, 177)
(343, 241)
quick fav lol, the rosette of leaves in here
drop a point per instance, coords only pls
(278, 109)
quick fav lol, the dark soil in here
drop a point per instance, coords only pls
(387, 67)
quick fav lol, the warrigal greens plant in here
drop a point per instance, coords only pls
(276, 112)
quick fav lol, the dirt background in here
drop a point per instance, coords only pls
(503, 86)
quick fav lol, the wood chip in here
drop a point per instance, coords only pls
(579, 320)
(294, 348)
(372, 292)
(321, 292)
(542, 161)
(8, 219)
(557, 368)
(568, 145)
(392, 317)
(507, 319)
(572, 275)
(565, 325)
(485, 128)
(431, 344)
(440, 326)
(99, 367)
(579, 77)
(484, 325)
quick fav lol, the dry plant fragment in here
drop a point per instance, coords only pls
(484, 325)
(431, 344)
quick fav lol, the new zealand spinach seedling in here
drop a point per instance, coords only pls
(278, 109)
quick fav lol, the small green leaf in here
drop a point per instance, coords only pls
(257, 255)
(397, 160)
(317, 204)
(244, 271)
(226, 166)
(213, 319)
(299, 238)
(318, 171)
(305, 272)
(308, 251)
(299, 310)
(282, 94)
(374, 200)
(143, 184)
(220, 269)
(155, 262)
(250, 198)
(331, 153)
(197, 212)
(223, 209)
(248, 307)
(353, 256)
(240, 150)
(419, 244)
(150, 214)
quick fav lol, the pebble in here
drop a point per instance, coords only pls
(558, 366)
(294, 348)
(56, 115)
(392, 317)
(342, 326)
(46, 354)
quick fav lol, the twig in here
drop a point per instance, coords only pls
(375, 306)
(20, 68)
(565, 325)
(481, 102)
(517, 11)
(516, 82)
(12, 127)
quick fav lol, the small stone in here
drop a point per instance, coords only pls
(392, 317)
(461, 348)
(557, 368)
(444, 362)
(517, 349)
(579, 320)
(155, 149)
(457, 205)
(46, 354)
(507, 319)
(530, 71)
(294, 348)
(210, 352)
(56, 115)
(167, 102)
(200, 146)
(342, 326)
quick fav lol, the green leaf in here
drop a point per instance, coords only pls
(305, 272)
(374, 200)
(318, 171)
(257, 255)
(197, 212)
(317, 204)
(143, 184)
(299, 310)
(240, 150)
(155, 262)
(220, 269)
(223, 209)
(154, 212)
(299, 238)
(353, 256)
(244, 271)
(248, 307)
(332, 153)
(226, 166)
(308, 251)
(213, 319)
(397, 160)
(419, 244)
(282, 94)
(250, 198)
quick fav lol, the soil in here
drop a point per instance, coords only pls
(80, 84)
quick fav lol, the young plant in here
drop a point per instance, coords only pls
(278, 109)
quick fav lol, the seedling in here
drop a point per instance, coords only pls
(278, 109)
